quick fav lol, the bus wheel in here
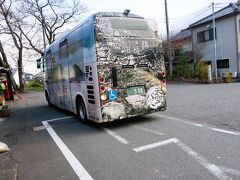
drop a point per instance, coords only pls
(47, 98)
(81, 111)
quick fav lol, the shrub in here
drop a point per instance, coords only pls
(229, 77)
(201, 70)
(32, 84)
(183, 69)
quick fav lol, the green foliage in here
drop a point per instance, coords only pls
(201, 70)
(229, 77)
(183, 69)
(34, 85)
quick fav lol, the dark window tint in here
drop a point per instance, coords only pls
(222, 63)
(129, 24)
(206, 35)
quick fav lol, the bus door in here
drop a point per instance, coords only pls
(66, 90)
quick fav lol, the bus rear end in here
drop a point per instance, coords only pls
(131, 72)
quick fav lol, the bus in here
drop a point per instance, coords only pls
(108, 67)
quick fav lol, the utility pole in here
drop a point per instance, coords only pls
(168, 40)
(214, 39)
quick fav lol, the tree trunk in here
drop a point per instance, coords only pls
(20, 70)
(4, 63)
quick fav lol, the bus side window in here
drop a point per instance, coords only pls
(49, 66)
(76, 64)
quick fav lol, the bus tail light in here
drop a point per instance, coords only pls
(102, 88)
(103, 97)
(163, 74)
(101, 79)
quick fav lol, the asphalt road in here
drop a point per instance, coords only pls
(196, 138)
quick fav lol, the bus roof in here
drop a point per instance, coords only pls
(98, 14)
(116, 14)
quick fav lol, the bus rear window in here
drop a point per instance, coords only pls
(129, 24)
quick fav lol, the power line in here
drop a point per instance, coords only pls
(198, 12)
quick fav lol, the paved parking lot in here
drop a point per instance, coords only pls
(191, 140)
(216, 104)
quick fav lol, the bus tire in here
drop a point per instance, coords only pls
(81, 111)
(47, 98)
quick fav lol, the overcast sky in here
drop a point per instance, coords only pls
(181, 12)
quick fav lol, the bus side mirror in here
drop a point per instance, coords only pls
(39, 63)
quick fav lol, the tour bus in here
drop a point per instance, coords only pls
(109, 67)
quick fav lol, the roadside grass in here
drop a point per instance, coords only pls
(34, 85)
(34, 88)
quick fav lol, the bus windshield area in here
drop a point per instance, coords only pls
(132, 27)
(128, 43)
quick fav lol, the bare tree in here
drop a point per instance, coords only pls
(46, 18)
(4, 63)
(10, 27)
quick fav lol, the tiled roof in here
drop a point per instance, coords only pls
(182, 35)
(231, 9)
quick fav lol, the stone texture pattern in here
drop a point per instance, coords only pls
(138, 58)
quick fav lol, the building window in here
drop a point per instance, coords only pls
(206, 35)
(222, 63)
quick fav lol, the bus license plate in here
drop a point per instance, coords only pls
(136, 90)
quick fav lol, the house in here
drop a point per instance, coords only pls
(227, 32)
(181, 43)
(26, 76)
(39, 76)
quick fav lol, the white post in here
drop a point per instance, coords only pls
(209, 73)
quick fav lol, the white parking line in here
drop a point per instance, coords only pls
(147, 130)
(61, 118)
(230, 171)
(225, 131)
(216, 171)
(38, 128)
(200, 125)
(72, 160)
(177, 119)
(154, 145)
(116, 136)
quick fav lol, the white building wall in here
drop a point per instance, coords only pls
(226, 42)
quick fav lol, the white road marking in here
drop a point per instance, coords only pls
(216, 171)
(72, 160)
(147, 130)
(200, 125)
(177, 119)
(1, 120)
(56, 119)
(226, 131)
(39, 128)
(154, 145)
(230, 171)
(116, 136)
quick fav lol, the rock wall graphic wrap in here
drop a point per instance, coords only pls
(130, 66)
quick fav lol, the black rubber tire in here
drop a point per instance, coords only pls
(81, 111)
(47, 98)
